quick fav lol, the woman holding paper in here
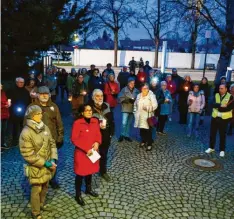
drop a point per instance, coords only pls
(86, 137)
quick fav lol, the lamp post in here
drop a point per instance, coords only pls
(207, 36)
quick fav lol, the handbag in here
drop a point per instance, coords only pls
(152, 121)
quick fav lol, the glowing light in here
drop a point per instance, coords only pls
(19, 109)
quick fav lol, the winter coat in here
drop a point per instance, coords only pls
(109, 71)
(70, 81)
(127, 97)
(183, 96)
(198, 102)
(132, 65)
(40, 83)
(52, 118)
(206, 90)
(4, 106)
(166, 108)
(171, 86)
(20, 99)
(160, 99)
(147, 69)
(86, 79)
(177, 80)
(95, 83)
(110, 98)
(83, 136)
(141, 115)
(37, 146)
(123, 79)
(104, 112)
(77, 97)
(51, 83)
(32, 92)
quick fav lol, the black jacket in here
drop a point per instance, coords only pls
(161, 99)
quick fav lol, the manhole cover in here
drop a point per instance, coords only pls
(204, 163)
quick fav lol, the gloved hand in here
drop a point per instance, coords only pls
(59, 144)
(48, 164)
(132, 100)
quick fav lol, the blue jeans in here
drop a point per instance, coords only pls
(126, 123)
(193, 122)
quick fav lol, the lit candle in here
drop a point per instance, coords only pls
(186, 88)
(170, 85)
(70, 98)
(142, 78)
(9, 102)
(84, 92)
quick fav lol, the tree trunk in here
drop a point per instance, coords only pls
(156, 52)
(194, 45)
(227, 43)
(116, 47)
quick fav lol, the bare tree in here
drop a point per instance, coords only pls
(114, 14)
(155, 17)
(219, 14)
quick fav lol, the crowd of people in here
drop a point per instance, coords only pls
(31, 119)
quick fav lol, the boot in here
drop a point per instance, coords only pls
(80, 200)
(89, 191)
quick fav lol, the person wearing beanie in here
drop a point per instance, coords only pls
(38, 149)
(127, 97)
(111, 90)
(52, 118)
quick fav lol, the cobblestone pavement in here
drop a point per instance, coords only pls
(158, 184)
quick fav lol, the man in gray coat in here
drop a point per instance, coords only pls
(127, 97)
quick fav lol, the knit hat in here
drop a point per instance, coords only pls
(43, 90)
(32, 111)
(131, 79)
(223, 77)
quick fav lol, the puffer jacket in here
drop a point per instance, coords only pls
(198, 102)
(52, 118)
(37, 146)
(127, 98)
(141, 115)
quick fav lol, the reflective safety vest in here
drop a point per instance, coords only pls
(223, 115)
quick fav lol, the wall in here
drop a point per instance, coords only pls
(87, 57)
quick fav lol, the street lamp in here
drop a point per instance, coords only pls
(207, 36)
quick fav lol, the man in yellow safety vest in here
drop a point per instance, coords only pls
(221, 116)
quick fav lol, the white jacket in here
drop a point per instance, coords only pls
(144, 108)
(198, 102)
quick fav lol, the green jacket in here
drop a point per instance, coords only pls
(70, 81)
(37, 146)
(52, 118)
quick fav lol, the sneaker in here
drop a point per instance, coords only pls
(221, 154)
(209, 150)
(106, 177)
(149, 148)
(128, 139)
(121, 138)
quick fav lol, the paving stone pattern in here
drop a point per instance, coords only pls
(157, 184)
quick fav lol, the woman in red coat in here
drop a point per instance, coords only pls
(85, 136)
(5, 104)
(111, 90)
(141, 78)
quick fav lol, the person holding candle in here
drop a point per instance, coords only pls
(196, 102)
(127, 97)
(164, 107)
(32, 89)
(79, 92)
(141, 78)
(52, 118)
(5, 114)
(185, 87)
(20, 99)
(111, 90)
(144, 107)
(101, 111)
(38, 149)
(85, 136)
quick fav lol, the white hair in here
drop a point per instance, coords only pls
(19, 79)
(96, 91)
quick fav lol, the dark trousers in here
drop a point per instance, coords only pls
(146, 136)
(15, 129)
(218, 125)
(161, 122)
(78, 183)
(4, 125)
(183, 117)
